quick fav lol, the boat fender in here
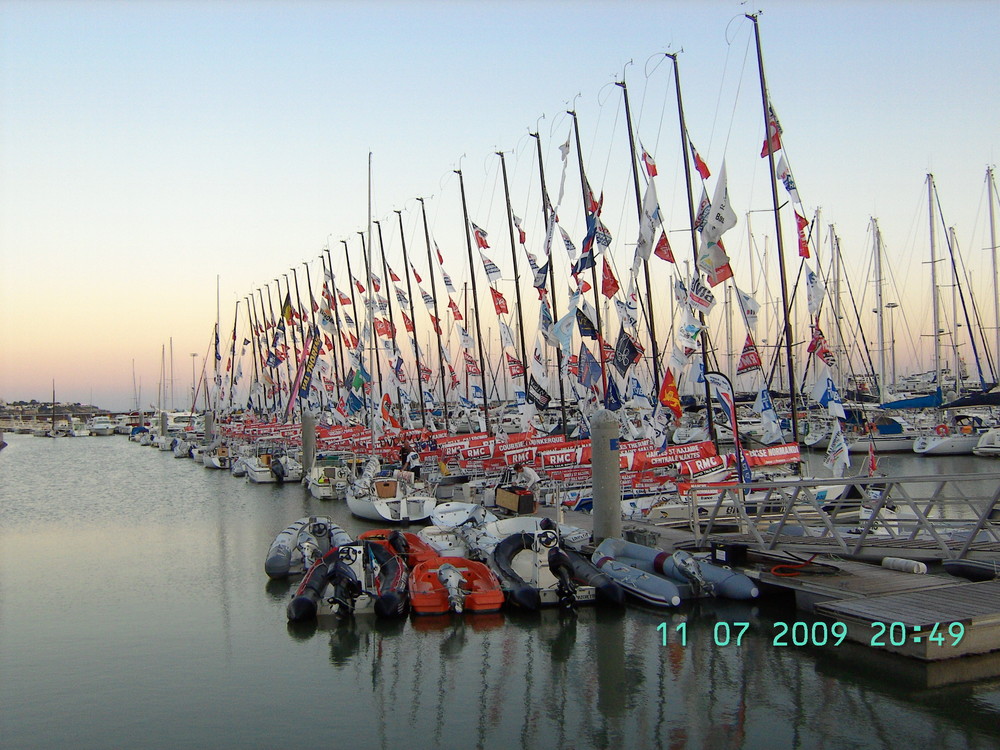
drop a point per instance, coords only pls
(941, 429)
(901, 563)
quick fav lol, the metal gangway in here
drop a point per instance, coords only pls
(933, 517)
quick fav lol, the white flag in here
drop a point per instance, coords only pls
(815, 291)
(750, 308)
(785, 175)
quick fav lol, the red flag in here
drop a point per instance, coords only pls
(386, 414)
(471, 366)
(343, 298)
(609, 284)
(437, 328)
(407, 323)
(699, 163)
(669, 395)
(648, 161)
(514, 366)
(438, 250)
(415, 274)
(315, 307)
(455, 312)
(662, 249)
(802, 223)
(357, 284)
(327, 343)
(872, 461)
(773, 135)
(480, 234)
(750, 358)
(584, 286)
(392, 275)
(499, 302)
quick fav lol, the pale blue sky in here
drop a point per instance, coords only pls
(146, 148)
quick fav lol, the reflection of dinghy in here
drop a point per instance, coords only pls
(454, 584)
(285, 556)
(696, 577)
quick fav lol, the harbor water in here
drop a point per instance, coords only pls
(134, 612)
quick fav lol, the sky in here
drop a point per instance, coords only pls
(160, 161)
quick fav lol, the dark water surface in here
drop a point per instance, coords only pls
(134, 612)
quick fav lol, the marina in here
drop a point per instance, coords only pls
(202, 636)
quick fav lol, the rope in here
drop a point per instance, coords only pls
(794, 568)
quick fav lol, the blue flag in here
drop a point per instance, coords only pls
(590, 368)
(612, 399)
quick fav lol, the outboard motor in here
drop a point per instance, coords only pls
(278, 469)
(346, 586)
(562, 569)
(399, 544)
(688, 567)
(453, 580)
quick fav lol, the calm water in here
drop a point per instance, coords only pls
(134, 612)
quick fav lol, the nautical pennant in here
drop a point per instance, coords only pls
(749, 358)
(499, 302)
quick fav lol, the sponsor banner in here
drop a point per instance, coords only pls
(702, 466)
(774, 455)
(477, 452)
(570, 474)
(525, 455)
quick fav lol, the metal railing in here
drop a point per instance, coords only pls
(953, 513)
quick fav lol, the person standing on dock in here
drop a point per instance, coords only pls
(412, 463)
(526, 477)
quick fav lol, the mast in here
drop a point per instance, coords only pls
(413, 319)
(314, 328)
(366, 251)
(993, 255)
(934, 290)
(232, 356)
(685, 150)
(392, 320)
(552, 284)
(352, 285)
(335, 314)
(437, 323)
(648, 308)
(593, 268)
(786, 309)
(475, 302)
(879, 308)
(517, 275)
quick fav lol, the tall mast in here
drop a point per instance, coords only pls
(694, 233)
(786, 309)
(517, 275)
(354, 303)
(313, 327)
(413, 320)
(879, 308)
(648, 307)
(593, 269)
(475, 303)
(392, 320)
(552, 283)
(437, 324)
(334, 309)
(367, 251)
(993, 256)
(232, 356)
(936, 320)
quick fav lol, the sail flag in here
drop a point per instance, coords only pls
(416, 276)
(626, 352)
(407, 323)
(815, 291)
(514, 366)
(376, 282)
(704, 207)
(570, 247)
(669, 396)
(358, 286)
(480, 235)
(626, 315)
(699, 163)
(819, 347)
(721, 218)
(286, 308)
(700, 296)
(541, 278)
(722, 389)
(342, 298)
(447, 281)
(681, 292)
(635, 389)
(428, 299)
(785, 175)
(648, 162)
(750, 309)
(521, 236)
(588, 329)
(425, 374)
(764, 406)
(464, 338)
(647, 224)
(506, 339)
(590, 368)
(492, 271)
(609, 284)
(401, 297)
(536, 394)
(436, 323)
(471, 366)
(802, 223)
(498, 301)
(602, 236)
(455, 312)
(836, 454)
(562, 331)
(612, 399)
(825, 392)
(773, 137)
(750, 358)
(662, 249)
(544, 320)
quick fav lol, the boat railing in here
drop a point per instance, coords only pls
(949, 516)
